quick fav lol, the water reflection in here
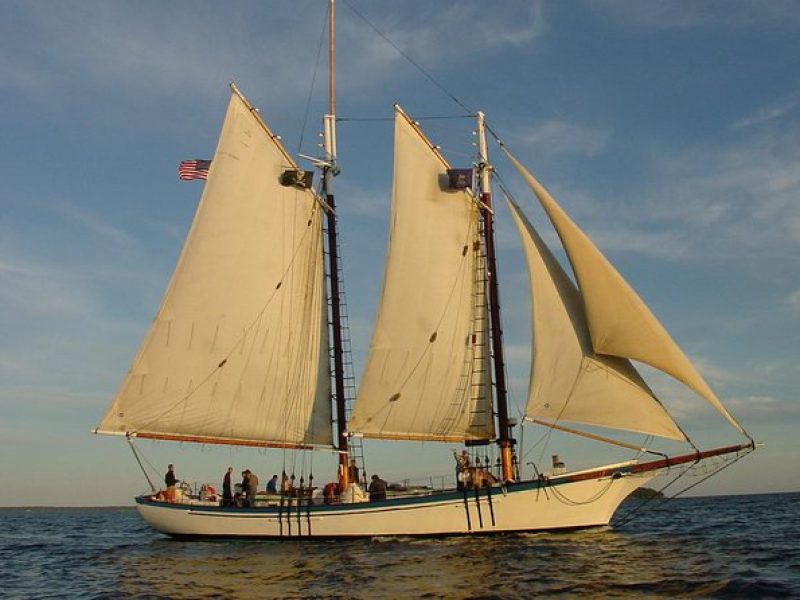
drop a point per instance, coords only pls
(701, 548)
(517, 565)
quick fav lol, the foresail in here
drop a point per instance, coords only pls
(237, 351)
(619, 322)
(568, 381)
(427, 373)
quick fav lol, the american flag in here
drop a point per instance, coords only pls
(193, 169)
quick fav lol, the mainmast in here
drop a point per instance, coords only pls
(329, 171)
(504, 439)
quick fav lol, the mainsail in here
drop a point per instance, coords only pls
(235, 354)
(620, 323)
(568, 381)
(427, 373)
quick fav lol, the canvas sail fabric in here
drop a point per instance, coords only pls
(234, 353)
(620, 323)
(426, 376)
(568, 381)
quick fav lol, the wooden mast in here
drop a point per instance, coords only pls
(504, 439)
(329, 171)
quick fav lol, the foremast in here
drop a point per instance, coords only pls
(504, 438)
(329, 171)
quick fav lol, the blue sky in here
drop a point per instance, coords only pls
(669, 131)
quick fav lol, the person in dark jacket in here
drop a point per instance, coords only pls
(227, 493)
(242, 501)
(377, 489)
(170, 480)
(352, 471)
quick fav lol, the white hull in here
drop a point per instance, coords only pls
(559, 504)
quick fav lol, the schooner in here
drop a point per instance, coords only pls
(246, 348)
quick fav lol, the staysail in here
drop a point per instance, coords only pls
(620, 324)
(568, 381)
(427, 375)
(235, 354)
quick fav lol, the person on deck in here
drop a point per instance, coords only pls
(252, 488)
(242, 500)
(463, 478)
(377, 489)
(353, 471)
(170, 480)
(272, 485)
(227, 493)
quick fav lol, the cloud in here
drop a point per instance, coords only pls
(158, 50)
(518, 25)
(94, 224)
(53, 396)
(34, 290)
(561, 137)
(387, 46)
(763, 408)
(794, 300)
(437, 29)
(768, 113)
(730, 385)
(365, 202)
(723, 201)
(668, 245)
(746, 192)
(720, 199)
(688, 14)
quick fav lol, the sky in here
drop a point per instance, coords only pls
(670, 131)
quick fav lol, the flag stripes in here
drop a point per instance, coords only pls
(193, 169)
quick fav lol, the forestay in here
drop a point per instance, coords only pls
(234, 354)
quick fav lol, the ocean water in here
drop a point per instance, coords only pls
(720, 547)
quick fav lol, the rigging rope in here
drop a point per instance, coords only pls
(416, 119)
(415, 64)
(568, 501)
(630, 515)
(141, 466)
(313, 83)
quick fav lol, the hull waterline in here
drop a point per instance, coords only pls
(530, 506)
